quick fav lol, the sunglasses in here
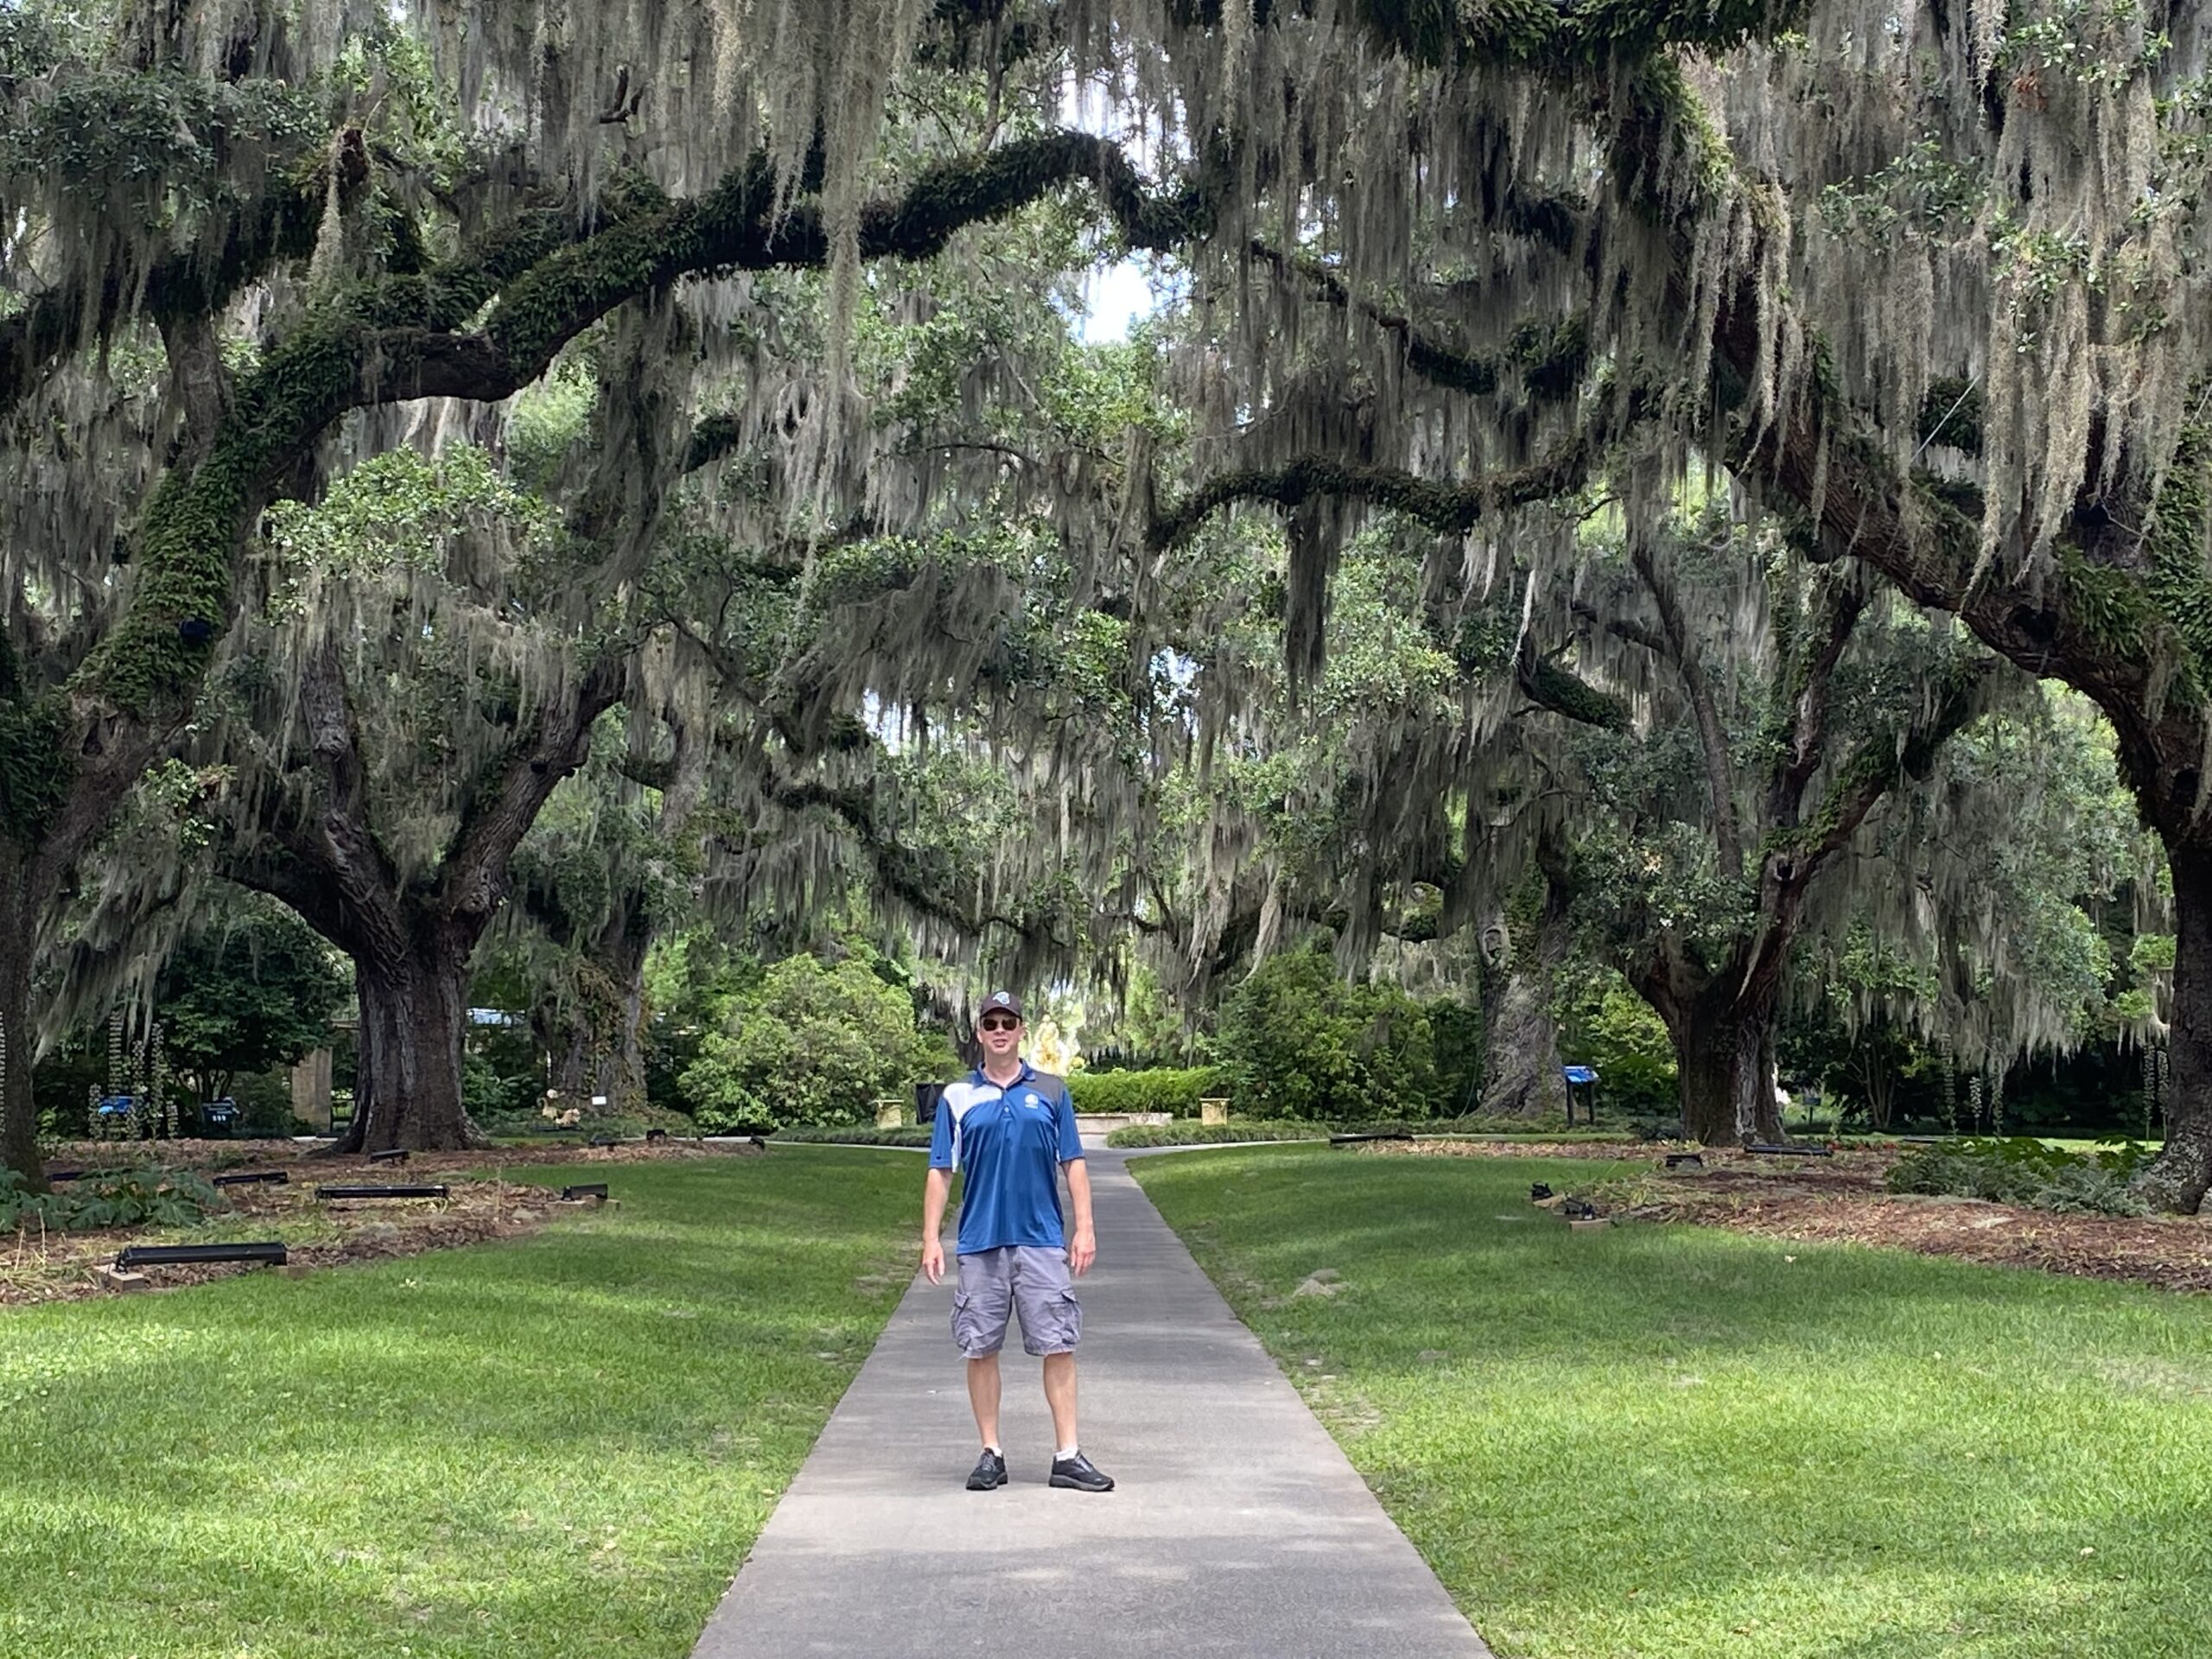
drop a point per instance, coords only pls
(999, 1025)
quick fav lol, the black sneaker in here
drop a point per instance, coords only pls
(989, 1471)
(1080, 1474)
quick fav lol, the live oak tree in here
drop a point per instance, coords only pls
(1783, 713)
(313, 218)
(1923, 282)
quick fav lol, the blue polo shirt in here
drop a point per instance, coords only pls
(1012, 1142)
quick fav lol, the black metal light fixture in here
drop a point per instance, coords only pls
(360, 1191)
(254, 1177)
(390, 1155)
(1538, 1192)
(583, 1190)
(169, 1256)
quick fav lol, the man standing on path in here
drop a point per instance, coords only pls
(1012, 1127)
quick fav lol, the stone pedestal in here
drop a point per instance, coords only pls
(890, 1114)
(1213, 1111)
(311, 1090)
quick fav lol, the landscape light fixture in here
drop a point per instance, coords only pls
(390, 1155)
(254, 1177)
(583, 1190)
(177, 1256)
(1538, 1192)
(436, 1192)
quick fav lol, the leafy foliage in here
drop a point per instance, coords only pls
(1606, 1025)
(856, 1134)
(129, 1198)
(812, 1044)
(1216, 1135)
(1299, 1041)
(2016, 1170)
(1176, 1092)
(253, 989)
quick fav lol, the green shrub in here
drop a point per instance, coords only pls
(810, 1043)
(1176, 1092)
(492, 1092)
(124, 1198)
(856, 1134)
(1605, 1025)
(1298, 1041)
(1211, 1134)
(2023, 1171)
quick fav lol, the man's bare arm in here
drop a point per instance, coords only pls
(935, 1191)
(1083, 1249)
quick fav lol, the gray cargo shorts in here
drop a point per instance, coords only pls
(1025, 1278)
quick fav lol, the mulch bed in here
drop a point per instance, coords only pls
(1841, 1199)
(38, 1267)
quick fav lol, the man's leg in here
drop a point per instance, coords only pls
(980, 1306)
(1051, 1324)
(983, 1395)
(1059, 1394)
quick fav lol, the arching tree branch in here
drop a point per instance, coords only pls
(1450, 509)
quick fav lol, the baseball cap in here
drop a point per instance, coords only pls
(1000, 1002)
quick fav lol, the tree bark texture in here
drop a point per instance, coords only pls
(594, 1041)
(2180, 1176)
(1724, 1055)
(18, 1109)
(413, 1018)
(1521, 1059)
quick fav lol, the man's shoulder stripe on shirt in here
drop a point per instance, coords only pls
(962, 1097)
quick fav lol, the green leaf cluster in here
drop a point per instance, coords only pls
(1175, 1090)
(1299, 1041)
(811, 1043)
(131, 1197)
(257, 989)
(2017, 1170)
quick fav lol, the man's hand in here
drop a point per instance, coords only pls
(933, 1260)
(1083, 1252)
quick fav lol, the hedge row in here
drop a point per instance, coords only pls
(1210, 1134)
(854, 1135)
(1175, 1093)
(1284, 1128)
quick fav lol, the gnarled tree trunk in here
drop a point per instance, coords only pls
(1724, 1056)
(592, 1031)
(1521, 1059)
(2181, 1175)
(414, 1017)
(18, 1110)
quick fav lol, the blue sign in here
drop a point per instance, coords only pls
(1581, 1073)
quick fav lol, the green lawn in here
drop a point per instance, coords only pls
(1682, 1442)
(562, 1444)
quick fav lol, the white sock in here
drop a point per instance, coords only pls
(991, 1446)
(1065, 1453)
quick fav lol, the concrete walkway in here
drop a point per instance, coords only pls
(1237, 1529)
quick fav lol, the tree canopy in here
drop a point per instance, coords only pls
(1591, 464)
